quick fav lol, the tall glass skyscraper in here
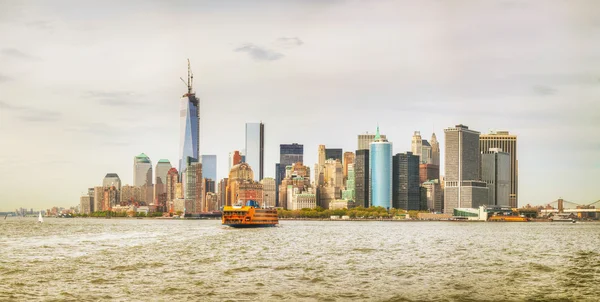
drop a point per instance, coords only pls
(255, 145)
(209, 166)
(380, 172)
(189, 125)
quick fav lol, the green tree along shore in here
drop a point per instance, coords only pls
(354, 213)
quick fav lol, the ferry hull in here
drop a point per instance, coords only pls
(242, 225)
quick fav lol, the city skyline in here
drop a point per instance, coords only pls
(102, 109)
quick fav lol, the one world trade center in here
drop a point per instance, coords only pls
(189, 126)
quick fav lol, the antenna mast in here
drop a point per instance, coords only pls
(190, 77)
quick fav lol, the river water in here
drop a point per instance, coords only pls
(164, 260)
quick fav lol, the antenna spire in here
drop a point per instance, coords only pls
(190, 77)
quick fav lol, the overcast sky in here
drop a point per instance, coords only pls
(86, 87)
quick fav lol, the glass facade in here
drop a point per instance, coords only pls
(380, 175)
(189, 130)
(209, 166)
(255, 148)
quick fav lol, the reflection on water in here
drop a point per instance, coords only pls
(152, 259)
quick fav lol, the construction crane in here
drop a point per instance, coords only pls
(190, 80)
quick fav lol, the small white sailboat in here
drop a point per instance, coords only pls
(40, 219)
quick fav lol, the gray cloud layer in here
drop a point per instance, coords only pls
(31, 114)
(289, 42)
(15, 53)
(259, 53)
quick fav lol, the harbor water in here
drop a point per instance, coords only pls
(85, 259)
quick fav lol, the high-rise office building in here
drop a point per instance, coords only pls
(255, 145)
(239, 174)
(348, 160)
(348, 193)
(131, 195)
(189, 124)
(416, 144)
(192, 185)
(142, 176)
(463, 187)
(172, 180)
(361, 178)
(321, 155)
(269, 192)
(333, 173)
(112, 179)
(334, 153)
(235, 158)
(428, 172)
(86, 204)
(380, 175)
(209, 166)
(222, 195)
(508, 143)
(435, 150)
(405, 184)
(289, 154)
(296, 176)
(433, 195)
(495, 171)
(425, 150)
(364, 140)
(160, 180)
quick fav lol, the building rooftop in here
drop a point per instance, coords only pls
(166, 161)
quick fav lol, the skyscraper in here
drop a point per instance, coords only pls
(463, 187)
(364, 140)
(160, 180)
(361, 178)
(189, 124)
(495, 171)
(380, 175)
(348, 194)
(235, 158)
(269, 192)
(348, 160)
(112, 179)
(289, 154)
(334, 153)
(406, 181)
(435, 150)
(142, 176)
(416, 144)
(209, 166)
(172, 180)
(321, 155)
(508, 143)
(255, 145)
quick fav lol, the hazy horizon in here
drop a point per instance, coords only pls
(86, 87)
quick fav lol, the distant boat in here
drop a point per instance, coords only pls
(40, 219)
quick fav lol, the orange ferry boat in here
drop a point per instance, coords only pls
(508, 218)
(249, 216)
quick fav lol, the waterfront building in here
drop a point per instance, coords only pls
(364, 140)
(433, 195)
(289, 154)
(179, 193)
(235, 158)
(189, 124)
(108, 198)
(341, 204)
(211, 203)
(209, 166)
(348, 160)
(463, 187)
(142, 176)
(405, 184)
(333, 173)
(86, 204)
(238, 174)
(131, 195)
(435, 151)
(380, 172)
(250, 190)
(495, 171)
(255, 145)
(160, 181)
(193, 186)
(172, 180)
(296, 176)
(98, 199)
(428, 172)
(222, 195)
(361, 175)
(508, 143)
(348, 193)
(302, 200)
(112, 179)
(327, 194)
(269, 192)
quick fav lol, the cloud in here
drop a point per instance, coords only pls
(15, 53)
(114, 98)
(41, 24)
(286, 42)
(31, 114)
(259, 53)
(544, 90)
